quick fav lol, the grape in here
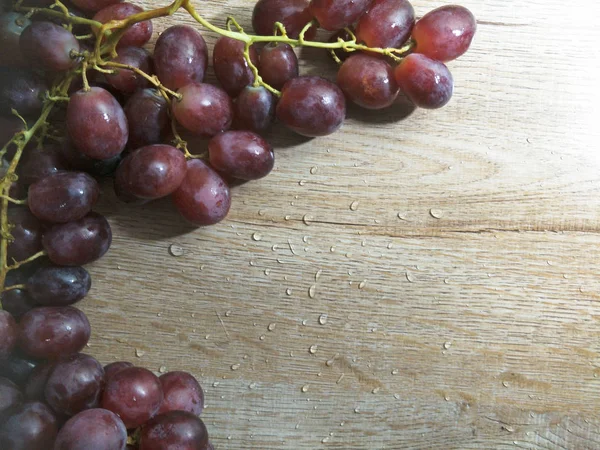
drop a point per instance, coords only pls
(17, 302)
(78, 243)
(137, 34)
(78, 29)
(53, 331)
(38, 163)
(334, 15)
(94, 429)
(49, 45)
(17, 369)
(96, 123)
(278, 64)
(63, 197)
(75, 384)
(180, 56)
(152, 172)
(94, 5)
(148, 118)
(36, 383)
(203, 197)
(125, 80)
(12, 25)
(27, 234)
(254, 109)
(134, 394)
(8, 334)
(78, 161)
(32, 426)
(241, 154)
(293, 14)
(182, 392)
(20, 90)
(387, 24)
(427, 83)
(341, 54)
(10, 396)
(311, 106)
(368, 81)
(127, 197)
(59, 286)
(231, 68)
(112, 368)
(204, 110)
(174, 430)
(445, 33)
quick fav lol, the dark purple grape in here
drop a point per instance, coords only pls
(203, 197)
(93, 429)
(26, 232)
(334, 15)
(341, 54)
(368, 81)
(96, 123)
(52, 332)
(36, 383)
(20, 90)
(63, 197)
(49, 45)
(137, 34)
(117, 366)
(148, 116)
(182, 392)
(75, 384)
(17, 302)
(180, 56)
(204, 110)
(94, 5)
(231, 68)
(78, 243)
(311, 106)
(152, 172)
(12, 25)
(127, 81)
(293, 14)
(387, 24)
(278, 64)
(10, 396)
(79, 161)
(8, 334)
(174, 430)
(241, 154)
(74, 13)
(59, 286)
(445, 33)
(32, 426)
(134, 394)
(38, 163)
(426, 82)
(17, 368)
(254, 109)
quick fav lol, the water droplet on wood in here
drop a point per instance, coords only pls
(307, 218)
(349, 255)
(376, 390)
(304, 388)
(312, 291)
(313, 170)
(227, 313)
(257, 237)
(397, 396)
(323, 319)
(313, 349)
(267, 272)
(305, 239)
(271, 326)
(262, 337)
(215, 384)
(288, 291)
(325, 440)
(139, 353)
(354, 205)
(302, 182)
(409, 277)
(340, 379)
(356, 410)
(252, 385)
(447, 345)
(390, 245)
(162, 369)
(176, 250)
(318, 274)
(395, 371)
(436, 213)
(332, 249)
(235, 366)
(362, 284)
(287, 218)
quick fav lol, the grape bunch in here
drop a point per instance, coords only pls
(82, 99)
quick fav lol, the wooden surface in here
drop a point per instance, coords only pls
(462, 294)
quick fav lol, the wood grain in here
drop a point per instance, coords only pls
(462, 294)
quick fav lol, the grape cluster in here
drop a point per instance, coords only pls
(82, 99)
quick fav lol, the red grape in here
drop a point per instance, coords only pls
(293, 14)
(368, 81)
(426, 82)
(137, 34)
(174, 430)
(17, 302)
(93, 429)
(12, 25)
(204, 110)
(8, 334)
(445, 33)
(311, 106)
(32, 426)
(254, 109)
(38, 163)
(387, 24)
(78, 161)
(17, 368)
(231, 68)
(182, 392)
(134, 394)
(20, 90)
(49, 45)
(10, 396)
(63, 197)
(96, 123)
(112, 368)
(148, 118)
(94, 5)
(152, 172)
(52, 332)
(26, 232)
(334, 15)
(180, 56)
(58, 286)
(241, 154)
(78, 243)
(203, 197)
(278, 64)
(125, 80)
(36, 383)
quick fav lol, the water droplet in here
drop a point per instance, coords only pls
(446, 281)
(302, 182)
(318, 274)
(376, 390)
(235, 366)
(549, 263)
(162, 369)
(363, 243)
(312, 291)
(215, 384)
(271, 326)
(261, 212)
(304, 322)
(288, 291)
(262, 337)
(447, 345)
(390, 245)
(252, 385)
(139, 353)
(340, 379)
(257, 237)
(297, 426)
(227, 313)
(307, 218)
(286, 218)
(313, 349)
(395, 371)
(356, 410)
(325, 440)
(397, 396)
(362, 284)
(354, 205)
(313, 170)
(305, 239)
(505, 384)
(349, 255)
(252, 263)
(176, 250)
(304, 388)
(402, 216)
(332, 249)
(207, 336)
(436, 213)
(409, 277)
(323, 319)
(267, 272)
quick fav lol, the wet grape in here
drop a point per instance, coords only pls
(137, 34)
(241, 154)
(387, 24)
(92, 429)
(231, 68)
(334, 15)
(427, 83)
(254, 109)
(20, 90)
(32, 426)
(173, 430)
(17, 302)
(293, 14)
(58, 286)
(204, 110)
(49, 45)
(117, 366)
(278, 64)
(26, 232)
(10, 396)
(148, 118)
(8, 334)
(125, 80)
(182, 392)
